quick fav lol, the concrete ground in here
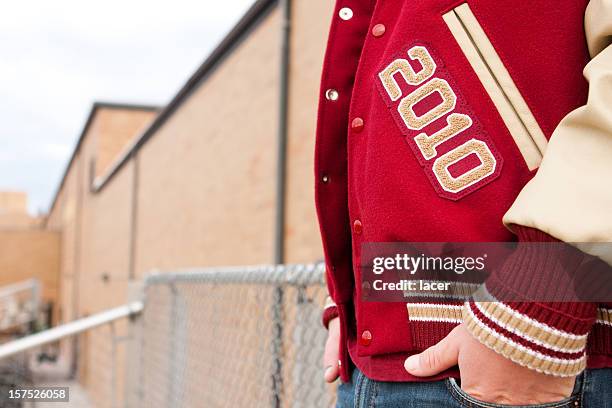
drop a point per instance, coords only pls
(56, 374)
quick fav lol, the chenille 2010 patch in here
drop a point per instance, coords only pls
(457, 155)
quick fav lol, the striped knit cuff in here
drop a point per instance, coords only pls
(527, 341)
(547, 337)
(330, 311)
(431, 322)
(600, 338)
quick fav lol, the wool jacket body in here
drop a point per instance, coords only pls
(434, 116)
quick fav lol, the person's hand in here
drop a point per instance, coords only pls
(486, 375)
(331, 354)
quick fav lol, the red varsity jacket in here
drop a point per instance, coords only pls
(433, 116)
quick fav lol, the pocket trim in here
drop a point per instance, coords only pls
(466, 400)
(498, 83)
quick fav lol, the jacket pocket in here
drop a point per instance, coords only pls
(467, 401)
(498, 83)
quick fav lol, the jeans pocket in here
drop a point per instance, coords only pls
(466, 400)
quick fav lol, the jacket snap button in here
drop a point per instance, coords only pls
(378, 30)
(331, 95)
(345, 13)
(357, 227)
(365, 290)
(357, 125)
(366, 338)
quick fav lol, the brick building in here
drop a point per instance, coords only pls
(27, 249)
(199, 182)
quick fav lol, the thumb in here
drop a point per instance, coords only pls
(435, 359)
(332, 372)
(331, 353)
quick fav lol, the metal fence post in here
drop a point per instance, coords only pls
(36, 295)
(178, 351)
(277, 346)
(113, 385)
(133, 392)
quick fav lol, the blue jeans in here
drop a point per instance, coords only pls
(593, 389)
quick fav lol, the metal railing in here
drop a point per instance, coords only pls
(19, 304)
(220, 337)
(69, 329)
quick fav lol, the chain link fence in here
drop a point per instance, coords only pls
(19, 307)
(102, 363)
(14, 373)
(223, 337)
(231, 337)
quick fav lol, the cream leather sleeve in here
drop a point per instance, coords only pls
(570, 197)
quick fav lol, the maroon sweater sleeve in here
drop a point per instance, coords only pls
(549, 337)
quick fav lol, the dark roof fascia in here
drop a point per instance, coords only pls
(127, 106)
(258, 11)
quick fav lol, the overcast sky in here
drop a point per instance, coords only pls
(58, 57)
